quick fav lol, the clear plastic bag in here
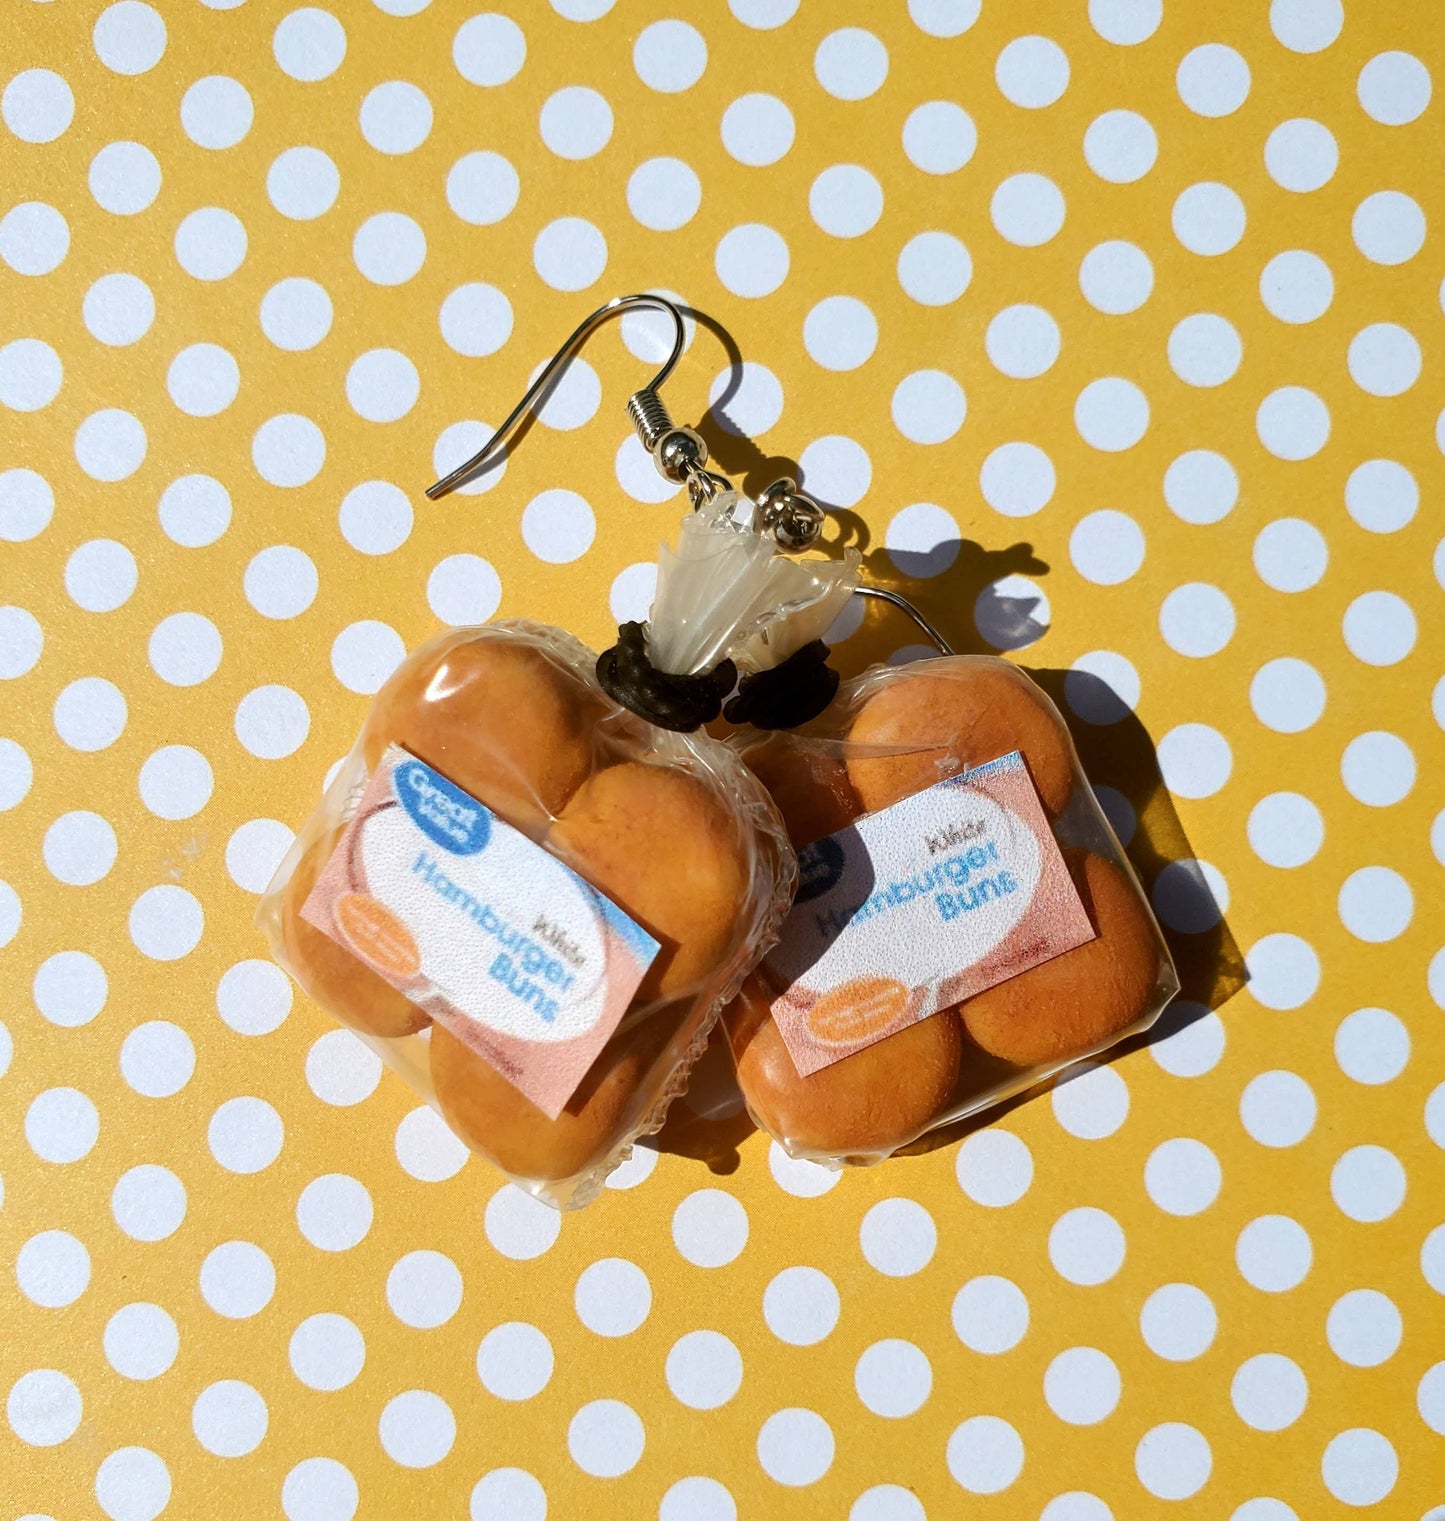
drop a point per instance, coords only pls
(891, 733)
(672, 828)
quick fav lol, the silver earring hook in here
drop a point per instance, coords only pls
(882, 594)
(645, 407)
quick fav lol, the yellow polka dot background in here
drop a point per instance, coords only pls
(1112, 333)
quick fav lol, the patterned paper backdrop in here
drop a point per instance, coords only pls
(1114, 329)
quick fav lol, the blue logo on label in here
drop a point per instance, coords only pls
(820, 868)
(444, 813)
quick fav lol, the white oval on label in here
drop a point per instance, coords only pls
(508, 935)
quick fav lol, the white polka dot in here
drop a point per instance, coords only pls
(1376, 904)
(928, 407)
(1378, 769)
(340, 1069)
(1293, 423)
(61, 1125)
(26, 505)
(34, 238)
(519, 1226)
(482, 188)
(1082, 1386)
(757, 130)
(1017, 479)
(1121, 147)
(364, 654)
(303, 183)
(237, 1280)
(1195, 760)
(148, 1203)
(1389, 227)
(1173, 1461)
(52, 1269)
(424, 1289)
(1182, 1176)
(851, 64)
(695, 1498)
(210, 244)
(100, 576)
(70, 988)
(427, 1150)
(10, 913)
(1301, 155)
(296, 314)
(1102, 687)
(922, 540)
(334, 1212)
(203, 380)
(229, 1419)
(110, 445)
(489, 50)
(125, 178)
(1107, 547)
(30, 375)
(288, 450)
(1076, 1505)
(1022, 341)
(141, 1341)
(840, 333)
(605, 1439)
(1111, 414)
(1290, 555)
(1364, 1328)
(382, 385)
(253, 997)
(710, 1228)
(746, 399)
(157, 1059)
(463, 589)
(272, 722)
(1190, 895)
(1213, 80)
(396, 117)
(1278, 1109)
(893, 1378)
(1196, 620)
(132, 1484)
(1116, 277)
(185, 649)
(632, 591)
(376, 518)
(934, 268)
(326, 1352)
(1379, 628)
(669, 56)
(512, 1494)
(1204, 350)
(576, 123)
(37, 105)
(1027, 210)
(21, 641)
(1269, 1392)
(1359, 1467)
(245, 1135)
(195, 511)
(990, 1315)
(1382, 496)
(1178, 1322)
(1430, 1401)
(389, 248)
(1284, 971)
(1285, 829)
(90, 714)
(1368, 1184)
(1306, 26)
(1297, 286)
(994, 1168)
(1090, 1101)
(1125, 22)
(1287, 695)
(704, 1370)
(764, 16)
(664, 194)
(570, 254)
(845, 201)
(281, 582)
(216, 112)
(1032, 72)
(43, 1408)
(898, 1237)
(795, 1447)
(118, 310)
(79, 848)
(1208, 219)
(944, 18)
(309, 44)
(1394, 88)
(939, 137)
(1384, 359)
(613, 1297)
(417, 1429)
(1011, 613)
(558, 526)
(801, 1306)
(1372, 1046)
(637, 1168)
(514, 1361)
(1086, 1246)
(836, 470)
(985, 1454)
(255, 851)
(572, 398)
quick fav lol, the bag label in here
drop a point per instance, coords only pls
(499, 942)
(918, 906)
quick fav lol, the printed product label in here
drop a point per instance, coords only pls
(495, 939)
(918, 906)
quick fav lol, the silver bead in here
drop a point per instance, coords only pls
(793, 518)
(679, 451)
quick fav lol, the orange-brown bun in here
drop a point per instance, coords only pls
(873, 1101)
(494, 715)
(1072, 1003)
(958, 713)
(506, 1127)
(341, 983)
(665, 848)
(812, 790)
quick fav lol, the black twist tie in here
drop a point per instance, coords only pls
(680, 703)
(788, 695)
